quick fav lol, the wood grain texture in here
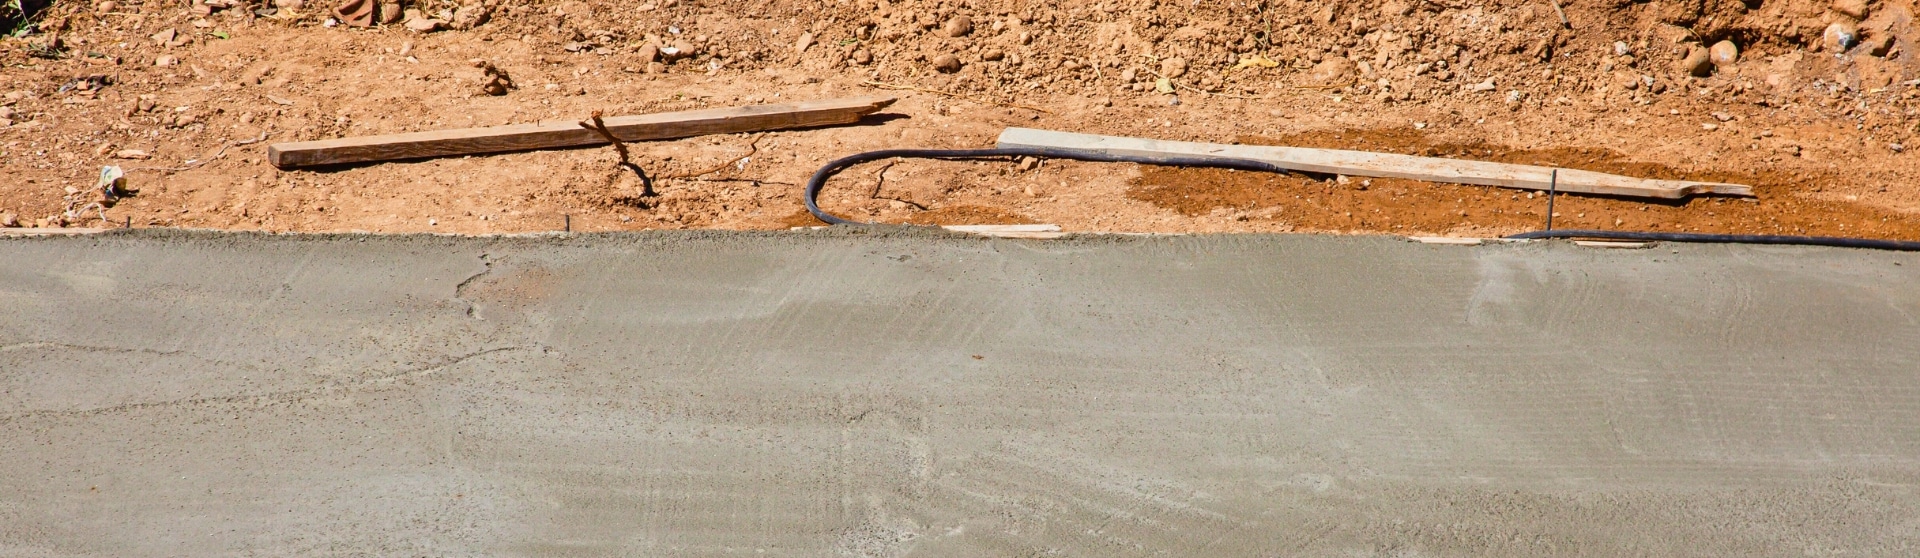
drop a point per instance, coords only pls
(1379, 165)
(568, 133)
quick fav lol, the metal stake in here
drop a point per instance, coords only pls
(1553, 186)
(569, 217)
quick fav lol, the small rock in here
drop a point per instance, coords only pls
(680, 49)
(1334, 71)
(107, 7)
(390, 13)
(1173, 67)
(470, 16)
(1856, 9)
(144, 105)
(6, 113)
(946, 64)
(1697, 63)
(1840, 36)
(165, 37)
(9, 220)
(1879, 44)
(131, 154)
(1721, 116)
(290, 4)
(423, 25)
(1723, 55)
(958, 26)
(800, 46)
(165, 60)
(1896, 148)
(1620, 48)
(862, 57)
(1128, 75)
(992, 55)
(1709, 126)
(649, 53)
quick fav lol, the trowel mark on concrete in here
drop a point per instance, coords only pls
(460, 290)
(258, 398)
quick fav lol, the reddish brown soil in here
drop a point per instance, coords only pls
(1813, 128)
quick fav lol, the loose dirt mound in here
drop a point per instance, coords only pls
(1812, 101)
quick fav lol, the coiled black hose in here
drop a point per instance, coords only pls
(1903, 245)
(819, 181)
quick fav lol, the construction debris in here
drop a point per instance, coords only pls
(1378, 165)
(547, 135)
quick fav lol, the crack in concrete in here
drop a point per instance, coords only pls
(87, 348)
(282, 395)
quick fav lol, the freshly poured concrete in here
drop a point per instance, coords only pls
(889, 394)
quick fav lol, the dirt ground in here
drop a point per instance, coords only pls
(186, 97)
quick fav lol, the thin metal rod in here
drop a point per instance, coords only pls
(1553, 186)
(569, 218)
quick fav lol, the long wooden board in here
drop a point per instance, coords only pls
(547, 135)
(1379, 165)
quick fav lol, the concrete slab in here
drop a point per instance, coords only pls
(885, 394)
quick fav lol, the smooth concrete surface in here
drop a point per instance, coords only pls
(889, 394)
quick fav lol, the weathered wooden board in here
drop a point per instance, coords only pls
(546, 135)
(1379, 165)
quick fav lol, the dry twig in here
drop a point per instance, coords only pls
(752, 148)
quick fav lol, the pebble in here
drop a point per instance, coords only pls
(992, 55)
(1334, 71)
(1173, 67)
(649, 53)
(131, 154)
(389, 13)
(9, 220)
(1724, 54)
(166, 60)
(958, 26)
(1880, 44)
(800, 46)
(471, 16)
(862, 57)
(1697, 63)
(1840, 36)
(946, 63)
(1620, 48)
(423, 25)
(1856, 9)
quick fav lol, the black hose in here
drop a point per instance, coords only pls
(1903, 245)
(819, 180)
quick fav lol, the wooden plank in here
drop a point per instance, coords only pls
(1379, 165)
(546, 135)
